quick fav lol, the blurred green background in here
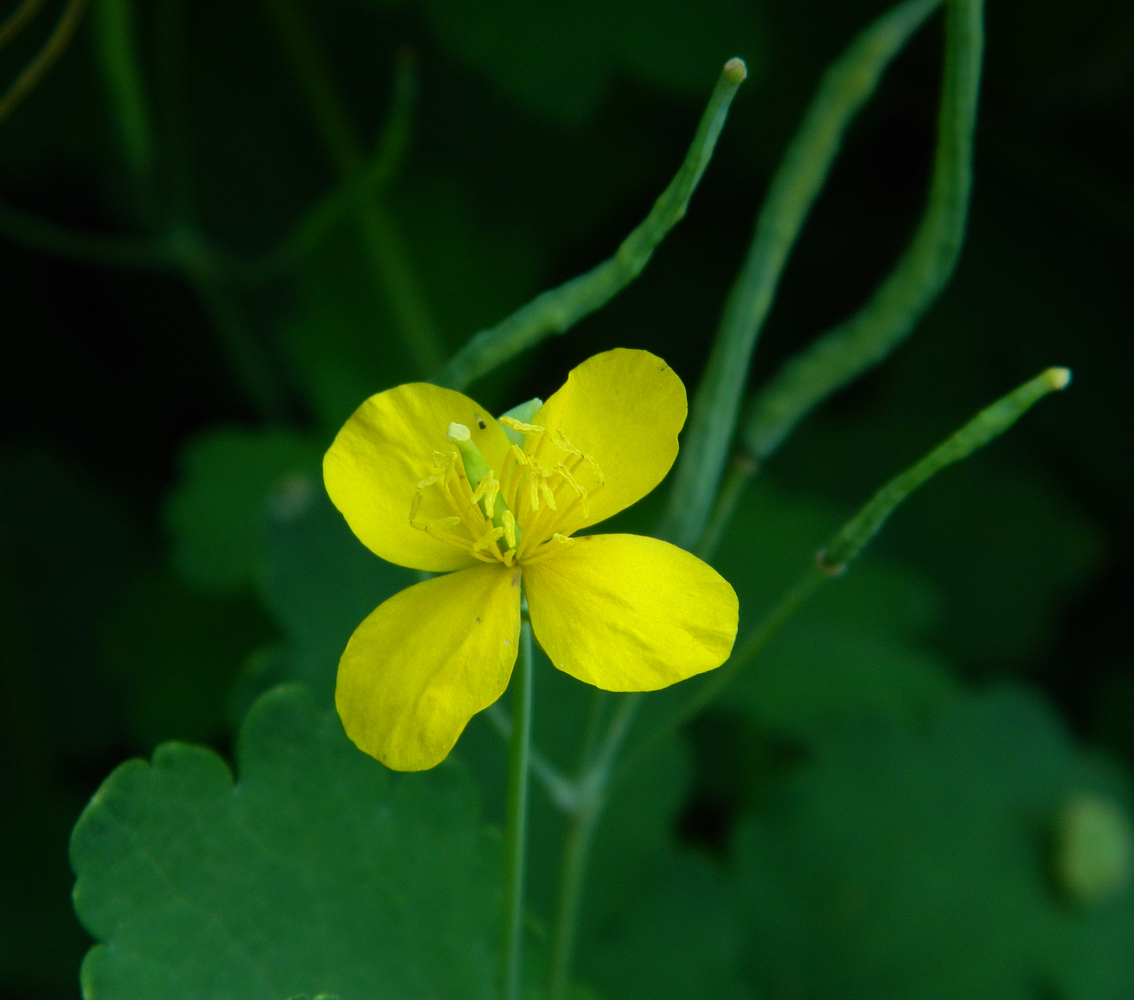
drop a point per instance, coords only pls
(166, 551)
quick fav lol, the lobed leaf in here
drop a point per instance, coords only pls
(315, 872)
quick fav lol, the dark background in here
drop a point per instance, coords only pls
(541, 135)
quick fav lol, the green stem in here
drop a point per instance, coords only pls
(53, 48)
(560, 790)
(850, 540)
(19, 19)
(516, 817)
(89, 248)
(557, 310)
(753, 645)
(381, 241)
(990, 423)
(841, 355)
(251, 363)
(370, 182)
(846, 86)
(740, 470)
(594, 779)
(117, 49)
(581, 827)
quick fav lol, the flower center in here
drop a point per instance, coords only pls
(525, 513)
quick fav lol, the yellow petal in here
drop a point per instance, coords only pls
(623, 408)
(628, 613)
(426, 661)
(384, 450)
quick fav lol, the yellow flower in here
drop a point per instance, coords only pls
(428, 479)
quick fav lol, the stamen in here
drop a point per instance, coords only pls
(509, 526)
(562, 442)
(565, 473)
(487, 539)
(520, 426)
(487, 491)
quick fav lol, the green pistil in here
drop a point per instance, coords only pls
(477, 470)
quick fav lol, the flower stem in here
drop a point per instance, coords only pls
(515, 823)
(380, 239)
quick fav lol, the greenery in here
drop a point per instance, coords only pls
(223, 227)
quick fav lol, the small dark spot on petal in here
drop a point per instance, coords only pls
(481, 424)
(516, 579)
(478, 621)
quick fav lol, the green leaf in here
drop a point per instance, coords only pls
(317, 871)
(917, 865)
(216, 513)
(856, 651)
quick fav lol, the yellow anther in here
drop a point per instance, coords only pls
(509, 525)
(487, 539)
(438, 477)
(548, 496)
(520, 426)
(565, 473)
(595, 466)
(488, 490)
(562, 442)
(443, 521)
(562, 539)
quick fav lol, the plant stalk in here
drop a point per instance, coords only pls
(558, 309)
(516, 816)
(845, 88)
